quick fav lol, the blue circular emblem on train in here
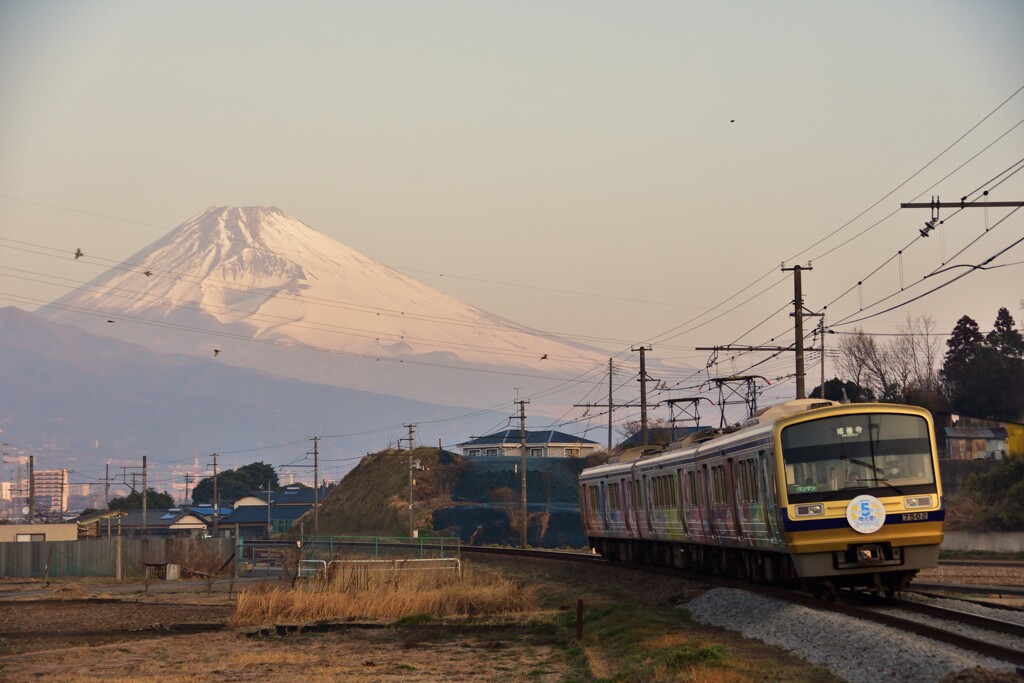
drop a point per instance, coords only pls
(866, 514)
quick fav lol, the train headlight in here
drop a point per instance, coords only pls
(812, 510)
(917, 502)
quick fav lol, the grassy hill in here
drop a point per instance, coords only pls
(476, 499)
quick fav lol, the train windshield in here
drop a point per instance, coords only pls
(836, 457)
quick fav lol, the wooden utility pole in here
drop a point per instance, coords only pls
(643, 394)
(522, 470)
(821, 345)
(316, 485)
(611, 405)
(216, 500)
(412, 524)
(798, 330)
(145, 503)
(31, 489)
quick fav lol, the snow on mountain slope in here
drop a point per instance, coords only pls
(260, 282)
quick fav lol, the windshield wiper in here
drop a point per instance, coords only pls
(868, 465)
(884, 481)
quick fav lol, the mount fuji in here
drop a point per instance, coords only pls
(257, 288)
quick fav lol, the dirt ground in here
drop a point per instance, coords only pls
(80, 631)
(83, 639)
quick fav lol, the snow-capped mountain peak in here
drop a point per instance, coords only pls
(267, 282)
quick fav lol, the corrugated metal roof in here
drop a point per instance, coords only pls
(976, 433)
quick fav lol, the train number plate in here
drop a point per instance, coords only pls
(915, 516)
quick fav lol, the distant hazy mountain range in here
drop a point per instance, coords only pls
(254, 287)
(78, 400)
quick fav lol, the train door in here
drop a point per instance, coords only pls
(768, 496)
(588, 524)
(680, 503)
(707, 509)
(732, 498)
(603, 502)
(645, 493)
(627, 503)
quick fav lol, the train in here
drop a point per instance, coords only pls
(820, 493)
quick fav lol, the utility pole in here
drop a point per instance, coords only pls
(611, 405)
(522, 469)
(106, 488)
(643, 393)
(145, 506)
(188, 487)
(798, 317)
(821, 345)
(268, 509)
(31, 488)
(316, 485)
(216, 500)
(411, 428)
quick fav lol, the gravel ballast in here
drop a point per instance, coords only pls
(853, 649)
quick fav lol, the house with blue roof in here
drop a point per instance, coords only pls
(548, 443)
(174, 522)
(257, 515)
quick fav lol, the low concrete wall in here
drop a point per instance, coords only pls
(992, 541)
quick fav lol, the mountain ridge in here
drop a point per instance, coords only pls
(256, 273)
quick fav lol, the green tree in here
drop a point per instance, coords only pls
(991, 386)
(1004, 338)
(962, 345)
(234, 484)
(984, 375)
(133, 501)
(834, 391)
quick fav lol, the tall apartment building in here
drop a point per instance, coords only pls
(51, 490)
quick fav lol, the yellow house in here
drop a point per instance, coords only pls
(11, 533)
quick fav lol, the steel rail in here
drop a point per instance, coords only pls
(903, 624)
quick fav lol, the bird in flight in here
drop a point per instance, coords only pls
(216, 351)
(544, 357)
(148, 273)
(78, 254)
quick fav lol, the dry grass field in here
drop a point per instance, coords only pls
(505, 620)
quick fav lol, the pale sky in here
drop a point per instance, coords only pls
(604, 171)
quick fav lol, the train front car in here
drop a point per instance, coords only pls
(861, 498)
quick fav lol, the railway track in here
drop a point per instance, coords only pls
(983, 634)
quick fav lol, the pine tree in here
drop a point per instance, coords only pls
(963, 343)
(1004, 338)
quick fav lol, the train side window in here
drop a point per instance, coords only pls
(717, 486)
(748, 481)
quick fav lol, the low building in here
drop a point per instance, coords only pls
(178, 522)
(539, 444)
(254, 519)
(976, 443)
(26, 533)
